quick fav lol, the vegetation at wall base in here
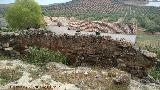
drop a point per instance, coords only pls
(149, 42)
(2, 57)
(7, 57)
(152, 44)
(155, 72)
(8, 29)
(42, 56)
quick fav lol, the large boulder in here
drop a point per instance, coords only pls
(120, 79)
(53, 21)
(148, 54)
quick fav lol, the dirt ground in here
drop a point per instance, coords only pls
(62, 77)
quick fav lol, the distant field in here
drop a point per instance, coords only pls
(150, 42)
(144, 39)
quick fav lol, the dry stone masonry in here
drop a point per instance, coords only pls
(87, 50)
(92, 50)
(7, 43)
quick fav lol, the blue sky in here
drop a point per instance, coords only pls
(41, 2)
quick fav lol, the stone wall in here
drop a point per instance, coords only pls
(8, 43)
(92, 51)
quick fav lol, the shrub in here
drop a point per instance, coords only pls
(155, 72)
(24, 14)
(2, 57)
(41, 56)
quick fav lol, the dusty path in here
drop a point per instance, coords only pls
(27, 80)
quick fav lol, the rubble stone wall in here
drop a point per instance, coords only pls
(83, 50)
(8, 43)
(92, 50)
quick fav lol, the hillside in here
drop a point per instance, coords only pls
(111, 10)
(85, 6)
(100, 6)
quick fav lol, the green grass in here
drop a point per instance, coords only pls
(6, 57)
(155, 72)
(9, 75)
(148, 40)
(42, 56)
(151, 43)
(8, 30)
(2, 57)
(144, 37)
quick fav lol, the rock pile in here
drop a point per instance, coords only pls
(92, 26)
(91, 51)
(55, 20)
(7, 41)
(100, 26)
(119, 77)
(148, 54)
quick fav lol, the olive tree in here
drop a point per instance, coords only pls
(24, 14)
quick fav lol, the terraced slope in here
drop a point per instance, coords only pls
(99, 9)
